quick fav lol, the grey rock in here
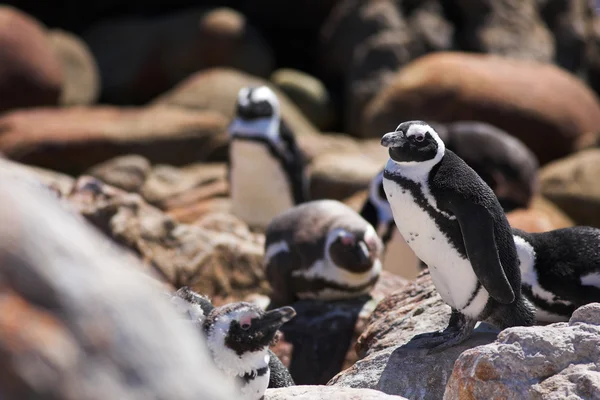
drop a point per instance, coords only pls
(326, 393)
(556, 361)
(127, 172)
(81, 320)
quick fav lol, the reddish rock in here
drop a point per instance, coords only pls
(541, 216)
(516, 96)
(76, 138)
(30, 73)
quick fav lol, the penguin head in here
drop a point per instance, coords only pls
(414, 142)
(355, 250)
(239, 334)
(257, 113)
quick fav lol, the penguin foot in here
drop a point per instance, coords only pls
(458, 330)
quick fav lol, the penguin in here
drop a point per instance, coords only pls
(266, 168)
(560, 270)
(238, 336)
(397, 256)
(453, 222)
(323, 250)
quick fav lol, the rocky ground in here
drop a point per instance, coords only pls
(121, 109)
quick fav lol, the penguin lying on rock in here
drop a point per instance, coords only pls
(452, 220)
(321, 250)
(266, 167)
(238, 336)
(560, 270)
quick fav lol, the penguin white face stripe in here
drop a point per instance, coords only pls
(275, 248)
(592, 279)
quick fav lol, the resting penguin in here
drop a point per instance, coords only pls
(322, 250)
(560, 270)
(238, 336)
(454, 223)
(266, 167)
(397, 257)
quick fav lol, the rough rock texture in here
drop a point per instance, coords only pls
(30, 73)
(74, 139)
(389, 363)
(326, 393)
(512, 28)
(323, 334)
(128, 172)
(429, 25)
(557, 361)
(572, 184)
(308, 94)
(541, 216)
(217, 89)
(516, 96)
(80, 320)
(81, 84)
(218, 256)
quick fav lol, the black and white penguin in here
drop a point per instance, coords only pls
(560, 270)
(397, 256)
(238, 336)
(266, 166)
(322, 250)
(453, 222)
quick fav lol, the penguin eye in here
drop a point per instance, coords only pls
(245, 326)
(419, 137)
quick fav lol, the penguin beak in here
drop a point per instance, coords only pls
(393, 139)
(273, 319)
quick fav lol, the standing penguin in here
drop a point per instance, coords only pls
(560, 270)
(266, 166)
(398, 257)
(238, 336)
(454, 223)
(323, 250)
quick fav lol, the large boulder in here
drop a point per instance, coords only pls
(217, 89)
(557, 361)
(79, 317)
(541, 216)
(307, 392)
(30, 72)
(572, 184)
(514, 95)
(141, 57)
(74, 139)
(389, 362)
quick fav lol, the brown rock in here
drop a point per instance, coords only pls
(127, 172)
(191, 213)
(71, 306)
(81, 77)
(541, 216)
(140, 58)
(429, 25)
(308, 392)
(217, 89)
(314, 146)
(512, 28)
(30, 73)
(218, 257)
(572, 184)
(76, 138)
(516, 96)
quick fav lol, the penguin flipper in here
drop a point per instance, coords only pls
(295, 163)
(477, 227)
(280, 376)
(279, 276)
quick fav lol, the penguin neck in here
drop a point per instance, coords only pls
(415, 171)
(267, 128)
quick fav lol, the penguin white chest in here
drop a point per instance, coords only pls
(451, 273)
(255, 388)
(260, 189)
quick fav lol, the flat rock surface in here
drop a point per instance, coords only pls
(326, 393)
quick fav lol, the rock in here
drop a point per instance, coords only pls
(142, 57)
(127, 172)
(308, 94)
(515, 96)
(77, 315)
(389, 363)
(556, 361)
(314, 146)
(593, 54)
(323, 333)
(340, 175)
(326, 393)
(222, 260)
(31, 74)
(76, 138)
(217, 89)
(191, 213)
(572, 184)
(541, 216)
(508, 28)
(428, 23)
(81, 78)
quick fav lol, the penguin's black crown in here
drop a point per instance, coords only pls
(413, 142)
(256, 103)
